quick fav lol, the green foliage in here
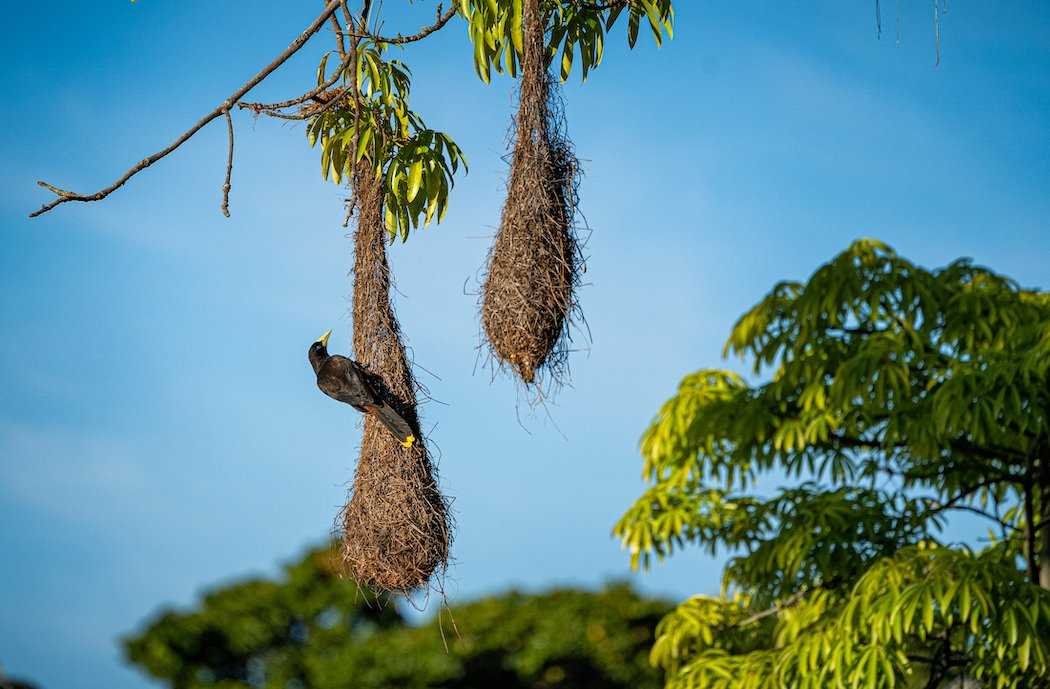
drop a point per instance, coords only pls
(259, 632)
(564, 638)
(897, 396)
(573, 29)
(314, 629)
(372, 127)
(376, 130)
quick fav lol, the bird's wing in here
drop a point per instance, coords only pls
(340, 379)
(345, 380)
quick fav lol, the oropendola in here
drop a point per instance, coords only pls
(344, 379)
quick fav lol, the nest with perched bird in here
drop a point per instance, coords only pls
(396, 525)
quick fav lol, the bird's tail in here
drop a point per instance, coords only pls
(396, 423)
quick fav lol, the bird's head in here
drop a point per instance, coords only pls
(319, 351)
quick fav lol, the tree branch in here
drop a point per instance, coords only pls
(442, 19)
(960, 446)
(936, 507)
(337, 29)
(225, 207)
(321, 95)
(789, 602)
(953, 504)
(1043, 525)
(1029, 526)
(601, 6)
(318, 94)
(64, 196)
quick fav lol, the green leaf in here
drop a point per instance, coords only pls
(516, 15)
(1024, 653)
(415, 178)
(321, 69)
(566, 60)
(363, 139)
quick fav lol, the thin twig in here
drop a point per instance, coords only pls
(313, 94)
(329, 99)
(229, 164)
(602, 6)
(64, 196)
(337, 29)
(443, 18)
(1029, 522)
(937, 31)
(788, 602)
(936, 507)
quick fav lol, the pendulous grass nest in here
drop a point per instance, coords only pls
(528, 299)
(396, 525)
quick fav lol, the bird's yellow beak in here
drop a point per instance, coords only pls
(407, 442)
(324, 338)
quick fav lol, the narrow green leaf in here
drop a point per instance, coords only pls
(415, 178)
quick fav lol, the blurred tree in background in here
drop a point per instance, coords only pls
(898, 396)
(315, 630)
(9, 683)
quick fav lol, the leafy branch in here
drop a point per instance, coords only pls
(379, 131)
(64, 196)
(319, 95)
(574, 28)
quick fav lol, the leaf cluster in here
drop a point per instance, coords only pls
(373, 128)
(924, 608)
(893, 397)
(574, 29)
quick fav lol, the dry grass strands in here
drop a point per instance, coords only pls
(396, 526)
(528, 298)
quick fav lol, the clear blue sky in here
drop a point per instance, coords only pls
(159, 426)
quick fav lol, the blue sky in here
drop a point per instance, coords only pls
(160, 431)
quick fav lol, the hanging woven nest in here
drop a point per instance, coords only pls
(396, 525)
(528, 298)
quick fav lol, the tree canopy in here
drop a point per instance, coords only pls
(898, 396)
(313, 628)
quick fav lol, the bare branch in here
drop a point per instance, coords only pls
(789, 602)
(337, 29)
(961, 446)
(366, 7)
(442, 19)
(936, 507)
(229, 164)
(64, 196)
(1029, 522)
(602, 6)
(317, 95)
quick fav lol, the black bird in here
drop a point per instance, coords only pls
(343, 379)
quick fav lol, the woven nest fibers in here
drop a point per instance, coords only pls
(528, 298)
(396, 525)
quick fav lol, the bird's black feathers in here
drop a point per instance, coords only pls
(342, 379)
(397, 425)
(345, 380)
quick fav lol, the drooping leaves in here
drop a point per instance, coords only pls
(377, 128)
(576, 32)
